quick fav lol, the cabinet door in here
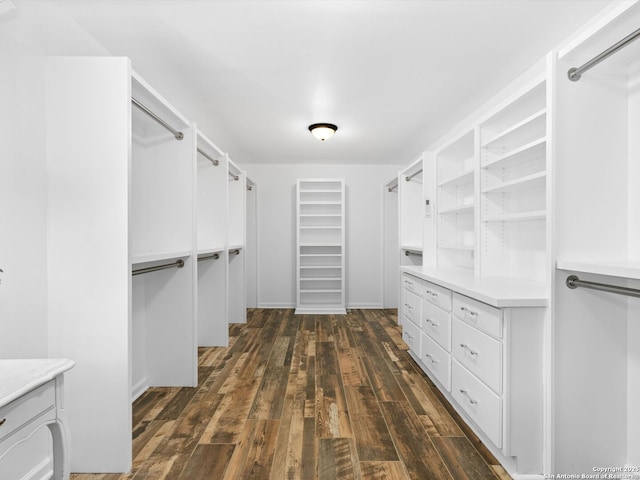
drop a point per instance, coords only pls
(411, 336)
(437, 324)
(480, 353)
(437, 361)
(481, 404)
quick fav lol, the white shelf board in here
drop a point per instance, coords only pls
(333, 290)
(319, 190)
(319, 203)
(459, 209)
(517, 154)
(612, 267)
(530, 181)
(320, 255)
(322, 279)
(319, 266)
(517, 217)
(460, 179)
(411, 248)
(514, 128)
(210, 249)
(457, 247)
(239, 246)
(157, 256)
(499, 292)
(317, 244)
(320, 227)
(321, 215)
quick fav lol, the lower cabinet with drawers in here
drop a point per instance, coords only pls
(481, 343)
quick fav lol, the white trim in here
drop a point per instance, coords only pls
(276, 305)
(42, 471)
(139, 388)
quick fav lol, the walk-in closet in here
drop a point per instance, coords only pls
(319, 240)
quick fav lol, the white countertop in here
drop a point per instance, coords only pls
(496, 291)
(18, 377)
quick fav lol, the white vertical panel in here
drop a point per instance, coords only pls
(88, 138)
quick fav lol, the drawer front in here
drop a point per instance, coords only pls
(411, 336)
(22, 410)
(411, 283)
(411, 306)
(437, 295)
(437, 361)
(481, 354)
(481, 404)
(480, 315)
(437, 324)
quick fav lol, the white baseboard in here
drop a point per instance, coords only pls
(139, 388)
(366, 306)
(276, 305)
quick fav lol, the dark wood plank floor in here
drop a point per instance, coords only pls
(305, 397)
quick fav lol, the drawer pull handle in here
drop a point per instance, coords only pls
(433, 324)
(430, 357)
(408, 306)
(466, 347)
(408, 335)
(469, 312)
(471, 400)
(408, 282)
(2, 421)
(433, 294)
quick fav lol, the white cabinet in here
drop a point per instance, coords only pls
(320, 251)
(485, 358)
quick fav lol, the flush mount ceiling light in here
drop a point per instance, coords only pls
(323, 131)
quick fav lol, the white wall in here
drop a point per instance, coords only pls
(31, 31)
(277, 238)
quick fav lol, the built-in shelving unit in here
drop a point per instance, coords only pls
(236, 242)
(456, 202)
(121, 196)
(212, 193)
(320, 246)
(411, 213)
(513, 185)
(597, 238)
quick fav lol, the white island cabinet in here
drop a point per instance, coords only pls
(480, 340)
(31, 397)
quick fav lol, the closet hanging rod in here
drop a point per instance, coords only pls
(212, 160)
(176, 133)
(213, 256)
(249, 187)
(235, 177)
(391, 189)
(235, 251)
(575, 73)
(574, 282)
(409, 252)
(177, 264)
(409, 177)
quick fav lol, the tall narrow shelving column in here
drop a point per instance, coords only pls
(320, 246)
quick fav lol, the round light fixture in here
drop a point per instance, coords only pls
(323, 131)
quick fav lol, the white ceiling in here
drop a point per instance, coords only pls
(394, 75)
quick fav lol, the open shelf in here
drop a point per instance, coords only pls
(517, 217)
(530, 181)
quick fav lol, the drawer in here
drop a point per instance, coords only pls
(411, 336)
(411, 283)
(22, 410)
(411, 306)
(481, 354)
(482, 405)
(478, 314)
(437, 324)
(437, 361)
(437, 295)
